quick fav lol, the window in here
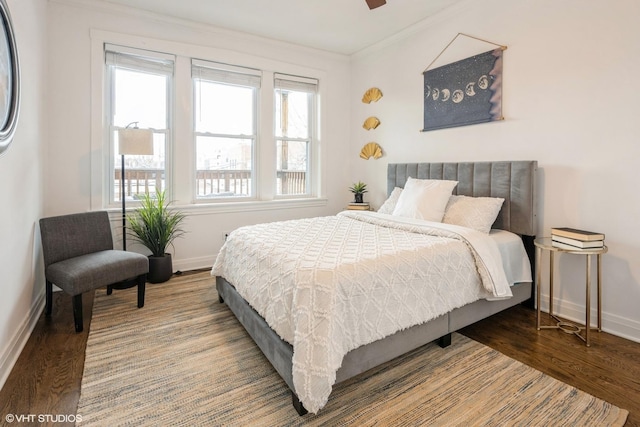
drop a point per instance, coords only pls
(225, 113)
(226, 135)
(295, 99)
(138, 88)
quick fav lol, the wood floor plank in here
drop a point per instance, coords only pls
(46, 378)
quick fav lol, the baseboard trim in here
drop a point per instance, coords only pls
(10, 354)
(611, 323)
(192, 263)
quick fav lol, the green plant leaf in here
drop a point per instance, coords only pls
(358, 188)
(154, 225)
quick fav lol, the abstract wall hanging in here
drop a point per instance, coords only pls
(372, 95)
(465, 92)
(369, 150)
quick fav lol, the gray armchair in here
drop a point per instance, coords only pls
(79, 256)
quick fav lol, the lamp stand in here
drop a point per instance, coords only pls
(135, 141)
(124, 215)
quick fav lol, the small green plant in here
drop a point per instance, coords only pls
(358, 188)
(154, 225)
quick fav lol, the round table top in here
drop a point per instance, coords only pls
(547, 244)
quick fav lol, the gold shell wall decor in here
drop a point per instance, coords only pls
(372, 95)
(371, 149)
(371, 123)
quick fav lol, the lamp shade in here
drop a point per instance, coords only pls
(135, 141)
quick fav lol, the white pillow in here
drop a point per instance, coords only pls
(478, 213)
(390, 204)
(424, 199)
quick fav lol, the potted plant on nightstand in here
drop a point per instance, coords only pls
(156, 226)
(358, 189)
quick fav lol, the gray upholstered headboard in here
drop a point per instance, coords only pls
(512, 180)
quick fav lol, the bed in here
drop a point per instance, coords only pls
(513, 181)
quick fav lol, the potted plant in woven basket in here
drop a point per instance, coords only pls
(358, 189)
(156, 226)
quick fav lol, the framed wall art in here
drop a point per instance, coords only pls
(9, 79)
(465, 92)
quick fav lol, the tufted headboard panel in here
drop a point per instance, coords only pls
(514, 181)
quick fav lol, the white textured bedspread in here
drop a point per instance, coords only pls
(328, 285)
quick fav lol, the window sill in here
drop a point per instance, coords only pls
(249, 206)
(234, 206)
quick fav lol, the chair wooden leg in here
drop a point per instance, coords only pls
(48, 307)
(77, 312)
(142, 280)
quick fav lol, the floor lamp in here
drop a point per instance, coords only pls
(133, 141)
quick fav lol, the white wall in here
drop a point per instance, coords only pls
(570, 101)
(22, 281)
(73, 102)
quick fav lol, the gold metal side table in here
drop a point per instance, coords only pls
(544, 244)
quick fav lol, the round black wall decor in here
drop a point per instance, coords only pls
(9, 79)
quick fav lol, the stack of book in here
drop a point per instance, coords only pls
(358, 206)
(573, 239)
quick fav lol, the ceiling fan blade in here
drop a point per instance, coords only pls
(375, 3)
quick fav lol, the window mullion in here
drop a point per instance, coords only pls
(109, 196)
(291, 138)
(225, 135)
(265, 148)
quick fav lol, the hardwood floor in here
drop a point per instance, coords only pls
(46, 378)
(609, 369)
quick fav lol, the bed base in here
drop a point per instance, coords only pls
(280, 353)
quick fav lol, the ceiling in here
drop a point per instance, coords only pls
(341, 26)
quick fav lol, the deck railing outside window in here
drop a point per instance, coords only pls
(210, 183)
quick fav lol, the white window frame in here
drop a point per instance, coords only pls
(218, 72)
(310, 86)
(142, 61)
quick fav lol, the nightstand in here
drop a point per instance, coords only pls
(545, 244)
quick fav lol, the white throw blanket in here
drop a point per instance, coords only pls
(328, 285)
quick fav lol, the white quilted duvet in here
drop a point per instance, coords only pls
(328, 285)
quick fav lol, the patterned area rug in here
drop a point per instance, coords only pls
(184, 360)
